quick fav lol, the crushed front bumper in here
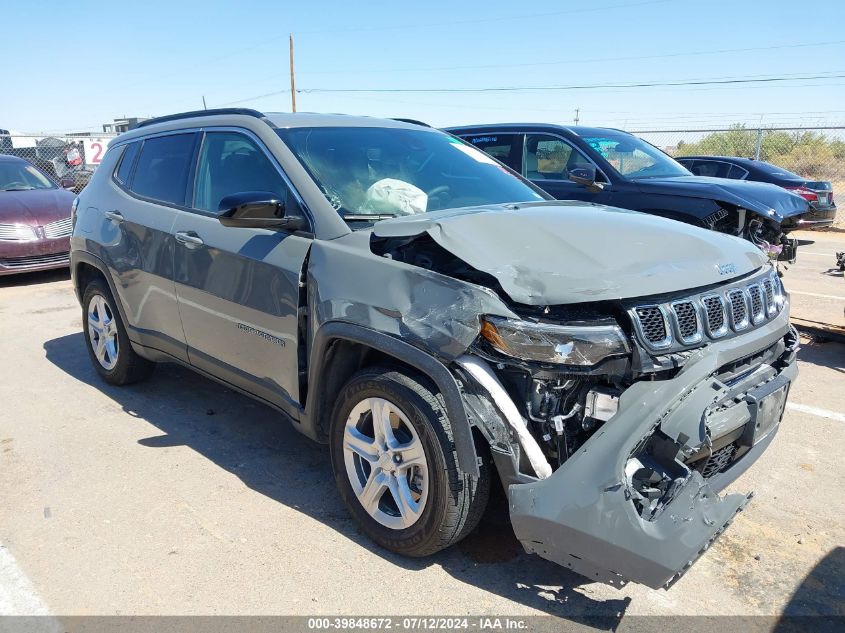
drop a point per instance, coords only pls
(584, 515)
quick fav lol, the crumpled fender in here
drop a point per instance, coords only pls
(582, 517)
(437, 313)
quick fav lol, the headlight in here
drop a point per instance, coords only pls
(582, 345)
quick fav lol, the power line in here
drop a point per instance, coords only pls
(671, 83)
(645, 84)
(575, 61)
(402, 27)
(568, 61)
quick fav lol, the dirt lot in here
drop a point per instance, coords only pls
(177, 496)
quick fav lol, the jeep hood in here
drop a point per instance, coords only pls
(561, 252)
(763, 198)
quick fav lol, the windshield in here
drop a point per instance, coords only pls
(385, 172)
(15, 176)
(635, 159)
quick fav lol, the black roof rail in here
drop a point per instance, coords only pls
(414, 121)
(198, 113)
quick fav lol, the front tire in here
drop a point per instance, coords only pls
(106, 338)
(395, 464)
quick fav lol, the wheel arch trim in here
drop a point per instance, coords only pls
(83, 257)
(315, 410)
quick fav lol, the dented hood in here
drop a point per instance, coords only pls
(766, 199)
(562, 252)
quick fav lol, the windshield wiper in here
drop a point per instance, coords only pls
(20, 189)
(367, 217)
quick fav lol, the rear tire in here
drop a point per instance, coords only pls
(108, 343)
(441, 503)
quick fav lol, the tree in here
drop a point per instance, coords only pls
(808, 153)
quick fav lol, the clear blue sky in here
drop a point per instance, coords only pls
(73, 66)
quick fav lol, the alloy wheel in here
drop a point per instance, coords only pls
(386, 463)
(102, 332)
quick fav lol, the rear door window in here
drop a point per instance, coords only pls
(506, 148)
(163, 169)
(710, 168)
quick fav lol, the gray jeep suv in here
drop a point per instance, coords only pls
(440, 323)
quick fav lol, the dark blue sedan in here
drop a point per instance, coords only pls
(819, 193)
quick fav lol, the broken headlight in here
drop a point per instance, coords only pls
(582, 345)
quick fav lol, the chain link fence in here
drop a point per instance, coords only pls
(814, 153)
(69, 160)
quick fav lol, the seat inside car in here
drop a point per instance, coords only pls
(531, 161)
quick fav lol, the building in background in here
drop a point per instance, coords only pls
(123, 125)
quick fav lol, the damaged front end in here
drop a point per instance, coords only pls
(615, 405)
(766, 231)
(613, 460)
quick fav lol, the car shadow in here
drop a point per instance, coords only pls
(832, 272)
(830, 354)
(821, 594)
(35, 278)
(260, 447)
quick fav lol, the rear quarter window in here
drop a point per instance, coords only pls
(163, 167)
(503, 147)
(127, 161)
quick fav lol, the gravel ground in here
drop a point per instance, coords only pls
(177, 496)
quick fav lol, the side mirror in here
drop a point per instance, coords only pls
(256, 210)
(586, 176)
(68, 183)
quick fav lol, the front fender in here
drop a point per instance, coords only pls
(398, 349)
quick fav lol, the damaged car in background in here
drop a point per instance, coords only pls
(611, 167)
(441, 322)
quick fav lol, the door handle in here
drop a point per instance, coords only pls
(114, 216)
(189, 239)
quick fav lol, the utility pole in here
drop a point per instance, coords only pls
(292, 81)
(577, 111)
(204, 107)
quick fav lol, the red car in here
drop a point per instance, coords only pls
(35, 221)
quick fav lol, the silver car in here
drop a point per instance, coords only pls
(439, 321)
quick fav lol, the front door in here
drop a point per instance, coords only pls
(238, 288)
(547, 163)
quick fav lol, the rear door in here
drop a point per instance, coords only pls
(238, 288)
(152, 178)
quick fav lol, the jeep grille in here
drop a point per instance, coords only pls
(653, 325)
(713, 315)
